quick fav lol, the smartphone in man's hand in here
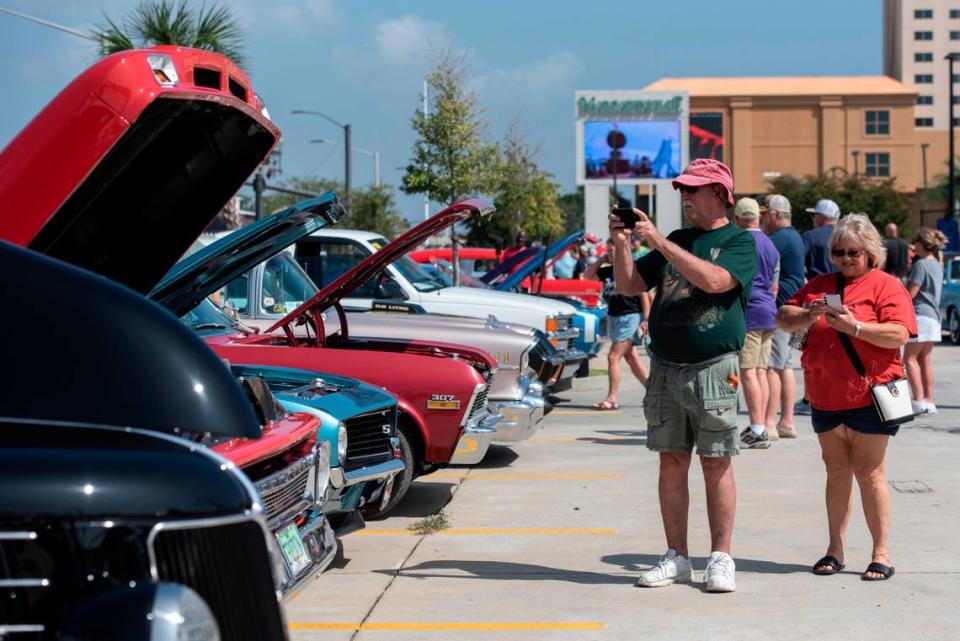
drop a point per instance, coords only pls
(833, 302)
(627, 215)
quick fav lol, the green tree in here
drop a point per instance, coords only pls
(524, 194)
(939, 193)
(213, 27)
(371, 208)
(450, 158)
(572, 206)
(879, 199)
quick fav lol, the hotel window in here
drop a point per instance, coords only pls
(923, 122)
(955, 13)
(922, 14)
(924, 100)
(923, 79)
(955, 35)
(923, 57)
(956, 121)
(923, 35)
(878, 164)
(955, 77)
(956, 100)
(878, 123)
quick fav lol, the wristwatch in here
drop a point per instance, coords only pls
(856, 330)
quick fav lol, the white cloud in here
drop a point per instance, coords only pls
(531, 81)
(308, 15)
(407, 38)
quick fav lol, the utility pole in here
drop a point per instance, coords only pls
(426, 197)
(951, 184)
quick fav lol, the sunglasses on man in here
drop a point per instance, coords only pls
(688, 189)
(849, 253)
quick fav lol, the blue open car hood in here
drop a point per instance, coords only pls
(534, 263)
(204, 272)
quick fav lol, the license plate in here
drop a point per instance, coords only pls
(293, 550)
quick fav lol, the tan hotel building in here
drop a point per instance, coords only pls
(763, 127)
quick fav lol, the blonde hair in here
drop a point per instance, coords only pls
(933, 240)
(858, 229)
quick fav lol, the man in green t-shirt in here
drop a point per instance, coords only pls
(697, 325)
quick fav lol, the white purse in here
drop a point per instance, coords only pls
(893, 402)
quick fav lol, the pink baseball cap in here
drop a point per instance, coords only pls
(706, 171)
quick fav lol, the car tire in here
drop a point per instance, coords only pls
(401, 482)
(954, 326)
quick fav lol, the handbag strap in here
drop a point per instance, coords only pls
(845, 340)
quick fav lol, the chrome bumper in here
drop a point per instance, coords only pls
(321, 544)
(340, 478)
(571, 363)
(475, 440)
(521, 418)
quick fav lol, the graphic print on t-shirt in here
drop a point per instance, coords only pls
(683, 305)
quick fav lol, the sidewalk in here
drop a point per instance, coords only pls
(547, 538)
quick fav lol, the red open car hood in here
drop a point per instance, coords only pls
(413, 237)
(132, 160)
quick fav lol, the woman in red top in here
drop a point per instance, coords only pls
(878, 317)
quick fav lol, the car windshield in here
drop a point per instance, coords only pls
(285, 286)
(207, 318)
(421, 279)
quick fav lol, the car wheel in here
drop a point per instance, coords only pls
(954, 325)
(401, 482)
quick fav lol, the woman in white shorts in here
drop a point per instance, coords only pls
(925, 285)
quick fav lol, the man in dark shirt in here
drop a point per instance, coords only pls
(624, 314)
(697, 326)
(816, 241)
(898, 253)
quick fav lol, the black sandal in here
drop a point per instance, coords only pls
(831, 562)
(877, 568)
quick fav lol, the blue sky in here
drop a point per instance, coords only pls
(363, 62)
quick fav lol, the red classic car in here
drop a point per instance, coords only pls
(152, 143)
(476, 260)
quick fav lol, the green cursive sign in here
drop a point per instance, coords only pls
(594, 107)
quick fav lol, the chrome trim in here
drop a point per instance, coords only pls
(339, 478)
(475, 440)
(18, 536)
(20, 629)
(279, 480)
(473, 397)
(562, 334)
(24, 583)
(521, 419)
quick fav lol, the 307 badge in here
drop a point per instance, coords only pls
(443, 402)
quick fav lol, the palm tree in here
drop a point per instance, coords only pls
(164, 22)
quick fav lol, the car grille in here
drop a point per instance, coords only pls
(21, 591)
(287, 491)
(564, 322)
(368, 438)
(229, 566)
(480, 402)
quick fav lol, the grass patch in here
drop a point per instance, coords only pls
(598, 372)
(430, 524)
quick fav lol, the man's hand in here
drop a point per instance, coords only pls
(648, 231)
(618, 234)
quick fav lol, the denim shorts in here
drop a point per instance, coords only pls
(780, 350)
(865, 420)
(691, 405)
(623, 328)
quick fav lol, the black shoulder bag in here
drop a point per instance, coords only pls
(892, 399)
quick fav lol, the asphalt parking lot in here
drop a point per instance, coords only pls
(546, 538)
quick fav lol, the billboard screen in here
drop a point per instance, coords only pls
(706, 135)
(631, 149)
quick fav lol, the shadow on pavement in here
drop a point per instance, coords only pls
(506, 571)
(638, 562)
(498, 456)
(623, 437)
(422, 499)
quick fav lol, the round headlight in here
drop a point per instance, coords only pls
(342, 443)
(180, 613)
(323, 471)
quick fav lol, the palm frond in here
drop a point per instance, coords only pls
(217, 30)
(111, 38)
(163, 23)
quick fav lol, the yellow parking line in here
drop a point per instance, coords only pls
(571, 412)
(460, 475)
(450, 627)
(455, 531)
(582, 438)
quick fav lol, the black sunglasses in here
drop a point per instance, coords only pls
(687, 189)
(849, 253)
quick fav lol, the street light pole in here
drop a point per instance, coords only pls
(923, 154)
(364, 152)
(856, 162)
(346, 150)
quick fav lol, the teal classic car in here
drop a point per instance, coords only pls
(358, 421)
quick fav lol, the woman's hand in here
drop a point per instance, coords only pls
(841, 321)
(815, 309)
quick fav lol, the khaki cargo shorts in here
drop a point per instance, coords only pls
(756, 349)
(693, 404)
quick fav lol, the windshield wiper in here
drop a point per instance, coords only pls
(199, 326)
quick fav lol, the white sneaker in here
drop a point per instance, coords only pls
(720, 574)
(920, 407)
(672, 568)
(931, 408)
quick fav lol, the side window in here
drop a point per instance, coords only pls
(326, 260)
(237, 293)
(955, 270)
